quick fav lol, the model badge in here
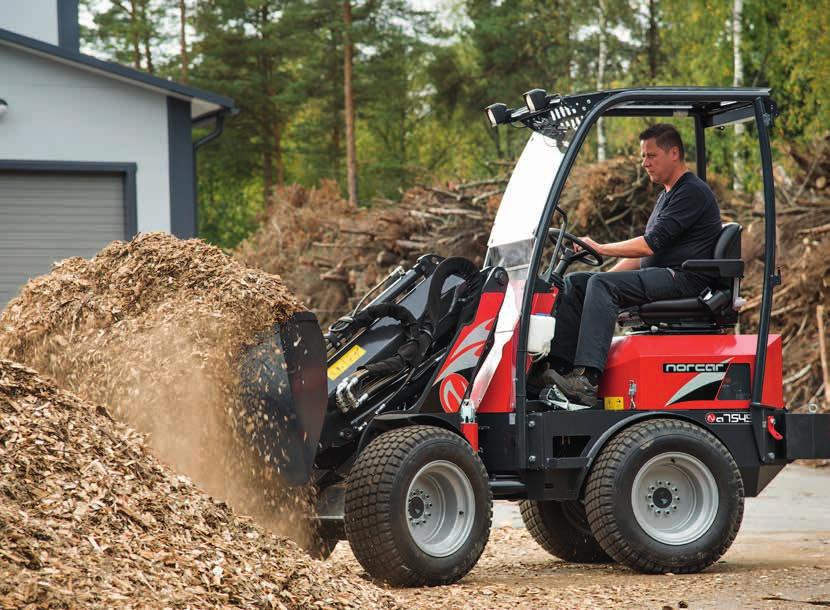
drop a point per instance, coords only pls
(729, 418)
(695, 367)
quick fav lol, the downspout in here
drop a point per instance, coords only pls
(217, 131)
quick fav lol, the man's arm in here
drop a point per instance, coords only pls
(626, 264)
(630, 248)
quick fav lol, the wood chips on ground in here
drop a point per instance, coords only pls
(89, 518)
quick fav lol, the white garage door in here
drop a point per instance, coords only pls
(46, 217)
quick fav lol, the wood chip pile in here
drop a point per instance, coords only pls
(88, 518)
(153, 329)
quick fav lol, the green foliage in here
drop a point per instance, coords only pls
(420, 82)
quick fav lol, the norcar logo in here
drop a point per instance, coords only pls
(728, 418)
(694, 367)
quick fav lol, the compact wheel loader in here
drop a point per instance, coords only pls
(410, 416)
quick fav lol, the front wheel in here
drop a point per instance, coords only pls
(418, 507)
(665, 496)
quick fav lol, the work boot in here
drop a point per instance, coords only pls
(575, 385)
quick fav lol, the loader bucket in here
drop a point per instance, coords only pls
(283, 391)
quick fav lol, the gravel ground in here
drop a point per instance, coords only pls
(781, 559)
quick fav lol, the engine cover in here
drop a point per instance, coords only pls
(667, 372)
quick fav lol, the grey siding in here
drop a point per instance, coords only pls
(46, 217)
(33, 18)
(61, 113)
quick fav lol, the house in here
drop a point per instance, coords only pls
(90, 151)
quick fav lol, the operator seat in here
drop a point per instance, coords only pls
(715, 309)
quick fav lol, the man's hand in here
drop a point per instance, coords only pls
(595, 245)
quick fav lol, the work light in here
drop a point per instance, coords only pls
(535, 99)
(497, 114)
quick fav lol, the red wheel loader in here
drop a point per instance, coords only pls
(422, 413)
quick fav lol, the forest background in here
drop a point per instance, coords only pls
(382, 95)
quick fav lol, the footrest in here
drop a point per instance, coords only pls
(553, 397)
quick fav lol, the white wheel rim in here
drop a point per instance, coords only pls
(440, 508)
(674, 498)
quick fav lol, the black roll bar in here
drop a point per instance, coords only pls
(610, 100)
(771, 278)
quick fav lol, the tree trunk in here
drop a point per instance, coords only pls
(134, 36)
(652, 41)
(278, 160)
(336, 145)
(601, 60)
(183, 40)
(267, 171)
(737, 81)
(145, 37)
(348, 91)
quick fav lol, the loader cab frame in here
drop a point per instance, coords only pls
(708, 107)
(425, 395)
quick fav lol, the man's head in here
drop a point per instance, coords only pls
(662, 153)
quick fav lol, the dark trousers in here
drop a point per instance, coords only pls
(588, 308)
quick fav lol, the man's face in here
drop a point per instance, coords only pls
(659, 164)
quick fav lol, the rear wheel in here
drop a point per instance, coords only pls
(665, 496)
(418, 507)
(561, 528)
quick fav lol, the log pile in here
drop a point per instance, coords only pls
(332, 253)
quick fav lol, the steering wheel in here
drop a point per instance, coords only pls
(587, 254)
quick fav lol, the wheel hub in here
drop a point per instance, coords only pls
(662, 497)
(416, 506)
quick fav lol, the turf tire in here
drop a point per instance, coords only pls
(561, 528)
(608, 498)
(376, 504)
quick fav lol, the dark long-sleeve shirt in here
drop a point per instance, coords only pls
(684, 224)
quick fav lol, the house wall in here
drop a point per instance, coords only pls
(33, 18)
(58, 112)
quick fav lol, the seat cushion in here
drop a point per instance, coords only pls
(690, 305)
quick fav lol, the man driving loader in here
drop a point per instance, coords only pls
(684, 224)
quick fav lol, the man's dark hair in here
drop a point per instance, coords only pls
(666, 136)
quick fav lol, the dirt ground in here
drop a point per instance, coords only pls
(781, 559)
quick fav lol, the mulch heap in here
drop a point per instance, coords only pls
(89, 518)
(153, 328)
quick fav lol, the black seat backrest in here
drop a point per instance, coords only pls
(728, 244)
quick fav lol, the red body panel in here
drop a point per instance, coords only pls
(500, 396)
(666, 372)
(642, 358)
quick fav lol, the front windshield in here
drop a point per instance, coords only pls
(514, 229)
(511, 244)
